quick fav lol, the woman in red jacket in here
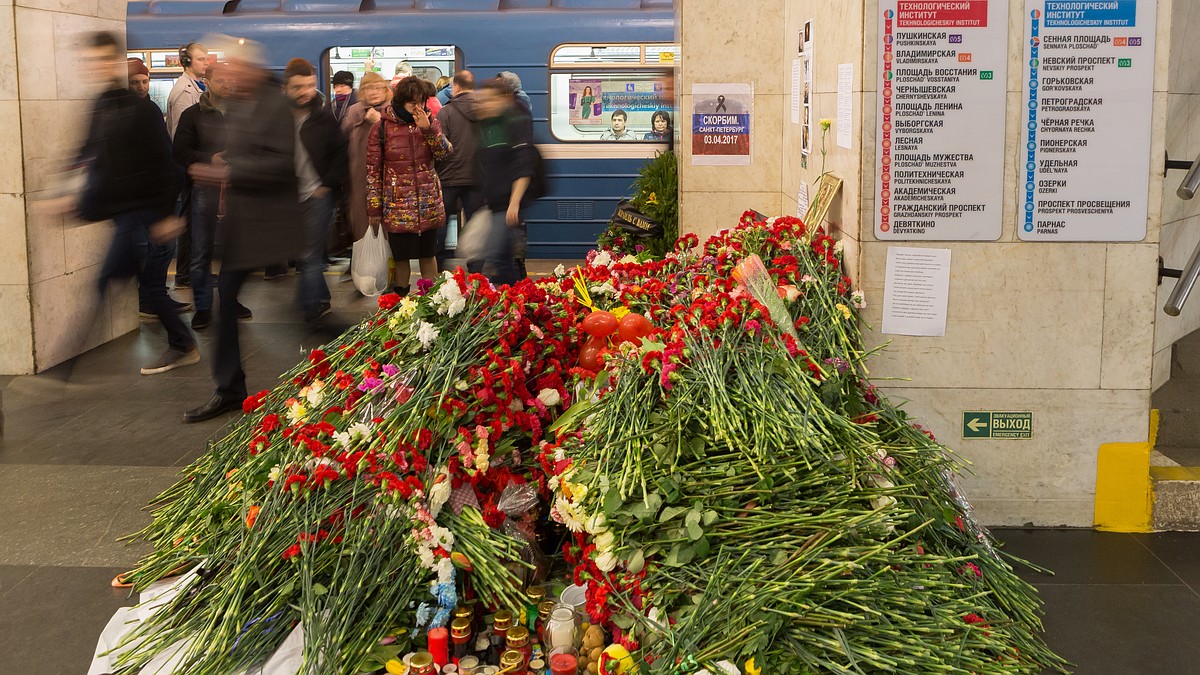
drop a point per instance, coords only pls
(403, 191)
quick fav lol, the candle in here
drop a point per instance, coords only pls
(439, 645)
(563, 663)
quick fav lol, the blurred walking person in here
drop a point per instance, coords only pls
(375, 96)
(403, 191)
(263, 219)
(199, 138)
(460, 188)
(507, 165)
(321, 166)
(131, 179)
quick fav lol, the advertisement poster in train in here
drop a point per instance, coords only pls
(1088, 106)
(722, 116)
(586, 101)
(637, 95)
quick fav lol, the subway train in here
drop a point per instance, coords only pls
(579, 61)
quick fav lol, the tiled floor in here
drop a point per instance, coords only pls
(85, 446)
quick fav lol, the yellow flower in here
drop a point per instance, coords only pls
(825, 123)
(396, 667)
(751, 669)
(844, 310)
(652, 199)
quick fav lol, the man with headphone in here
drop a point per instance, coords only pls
(193, 57)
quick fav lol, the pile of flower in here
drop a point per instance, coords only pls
(700, 427)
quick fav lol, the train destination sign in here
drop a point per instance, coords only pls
(1085, 159)
(940, 135)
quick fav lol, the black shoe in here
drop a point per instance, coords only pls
(401, 291)
(215, 407)
(202, 319)
(150, 315)
(314, 313)
(274, 272)
(244, 313)
(183, 282)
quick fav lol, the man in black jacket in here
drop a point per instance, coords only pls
(262, 205)
(133, 181)
(322, 167)
(507, 166)
(200, 137)
(460, 188)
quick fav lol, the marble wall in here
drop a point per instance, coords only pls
(1066, 331)
(732, 41)
(1180, 219)
(51, 311)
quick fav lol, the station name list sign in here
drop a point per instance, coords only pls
(1089, 96)
(940, 148)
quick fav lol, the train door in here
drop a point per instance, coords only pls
(428, 62)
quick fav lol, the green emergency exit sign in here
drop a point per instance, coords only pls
(997, 424)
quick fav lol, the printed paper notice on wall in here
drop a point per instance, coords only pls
(916, 291)
(721, 121)
(845, 105)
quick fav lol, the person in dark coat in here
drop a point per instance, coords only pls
(460, 188)
(507, 165)
(403, 191)
(263, 218)
(343, 94)
(132, 180)
(360, 120)
(199, 137)
(322, 169)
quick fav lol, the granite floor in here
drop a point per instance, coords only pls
(84, 446)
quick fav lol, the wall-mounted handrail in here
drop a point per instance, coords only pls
(1190, 274)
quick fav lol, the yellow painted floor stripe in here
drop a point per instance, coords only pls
(1175, 473)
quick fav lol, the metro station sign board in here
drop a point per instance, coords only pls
(997, 424)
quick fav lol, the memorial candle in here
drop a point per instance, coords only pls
(439, 645)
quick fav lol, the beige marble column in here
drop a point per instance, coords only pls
(48, 265)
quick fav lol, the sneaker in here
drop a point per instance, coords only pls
(244, 313)
(275, 272)
(202, 319)
(172, 359)
(317, 311)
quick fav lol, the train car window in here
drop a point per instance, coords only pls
(613, 93)
(428, 62)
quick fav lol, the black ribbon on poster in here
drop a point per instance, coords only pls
(635, 222)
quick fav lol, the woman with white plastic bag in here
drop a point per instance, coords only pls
(403, 190)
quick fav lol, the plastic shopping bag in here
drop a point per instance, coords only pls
(369, 262)
(472, 237)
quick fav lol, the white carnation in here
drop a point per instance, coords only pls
(427, 334)
(439, 494)
(560, 271)
(602, 259)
